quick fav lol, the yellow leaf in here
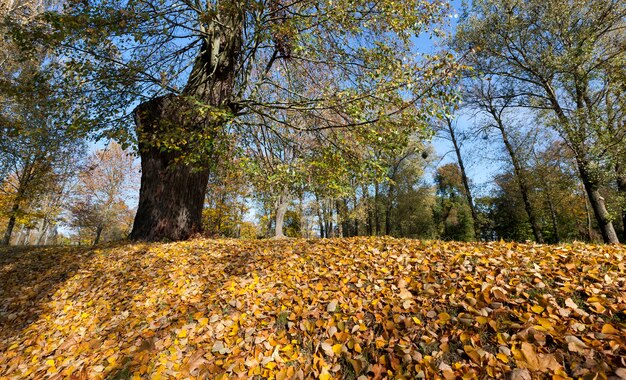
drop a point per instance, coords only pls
(482, 320)
(472, 353)
(337, 349)
(50, 362)
(325, 375)
(182, 333)
(203, 321)
(281, 375)
(503, 358)
(270, 365)
(609, 329)
(537, 309)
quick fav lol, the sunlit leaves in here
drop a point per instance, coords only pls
(328, 309)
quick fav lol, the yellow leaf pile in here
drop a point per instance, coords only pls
(324, 309)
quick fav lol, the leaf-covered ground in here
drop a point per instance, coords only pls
(339, 308)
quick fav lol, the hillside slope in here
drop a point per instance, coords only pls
(338, 308)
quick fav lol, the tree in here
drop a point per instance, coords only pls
(556, 55)
(99, 204)
(453, 212)
(450, 131)
(496, 100)
(39, 136)
(226, 200)
(34, 151)
(199, 69)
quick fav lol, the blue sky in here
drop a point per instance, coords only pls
(480, 168)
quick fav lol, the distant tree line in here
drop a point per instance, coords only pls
(311, 119)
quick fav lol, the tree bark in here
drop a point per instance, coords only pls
(281, 209)
(468, 192)
(388, 207)
(523, 185)
(377, 209)
(172, 193)
(555, 224)
(173, 187)
(98, 234)
(44, 231)
(304, 228)
(11, 224)
(355, 222)
(621, 188)
(597, 203)
(366, 200)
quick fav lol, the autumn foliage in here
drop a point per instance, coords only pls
(339, 308)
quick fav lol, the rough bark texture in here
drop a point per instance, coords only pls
(10, 225)
(172, 194)
(98, 235)
(597, 204)
(172, 191)
(281, 209)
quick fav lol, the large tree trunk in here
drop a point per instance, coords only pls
(597, 204)
(172, 193)
(173, 179)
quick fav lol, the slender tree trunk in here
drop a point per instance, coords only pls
(588, 214)
(321, 225)
(320, 217)
(270, 224)
(328, 217)
(11, 224)
(172, 189)
(26, 240)
(377, 208)
(304, 228)
(281, 209)
(340, 219)
(345, 219)
(468, 192)
(591, 186)
(356, 218)
(47, 236)
(389, 206)
(44, 230)
(523, 185)
(621, 188)
(555, 224)
(597, 203)
(368, 208)
(98, 234)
